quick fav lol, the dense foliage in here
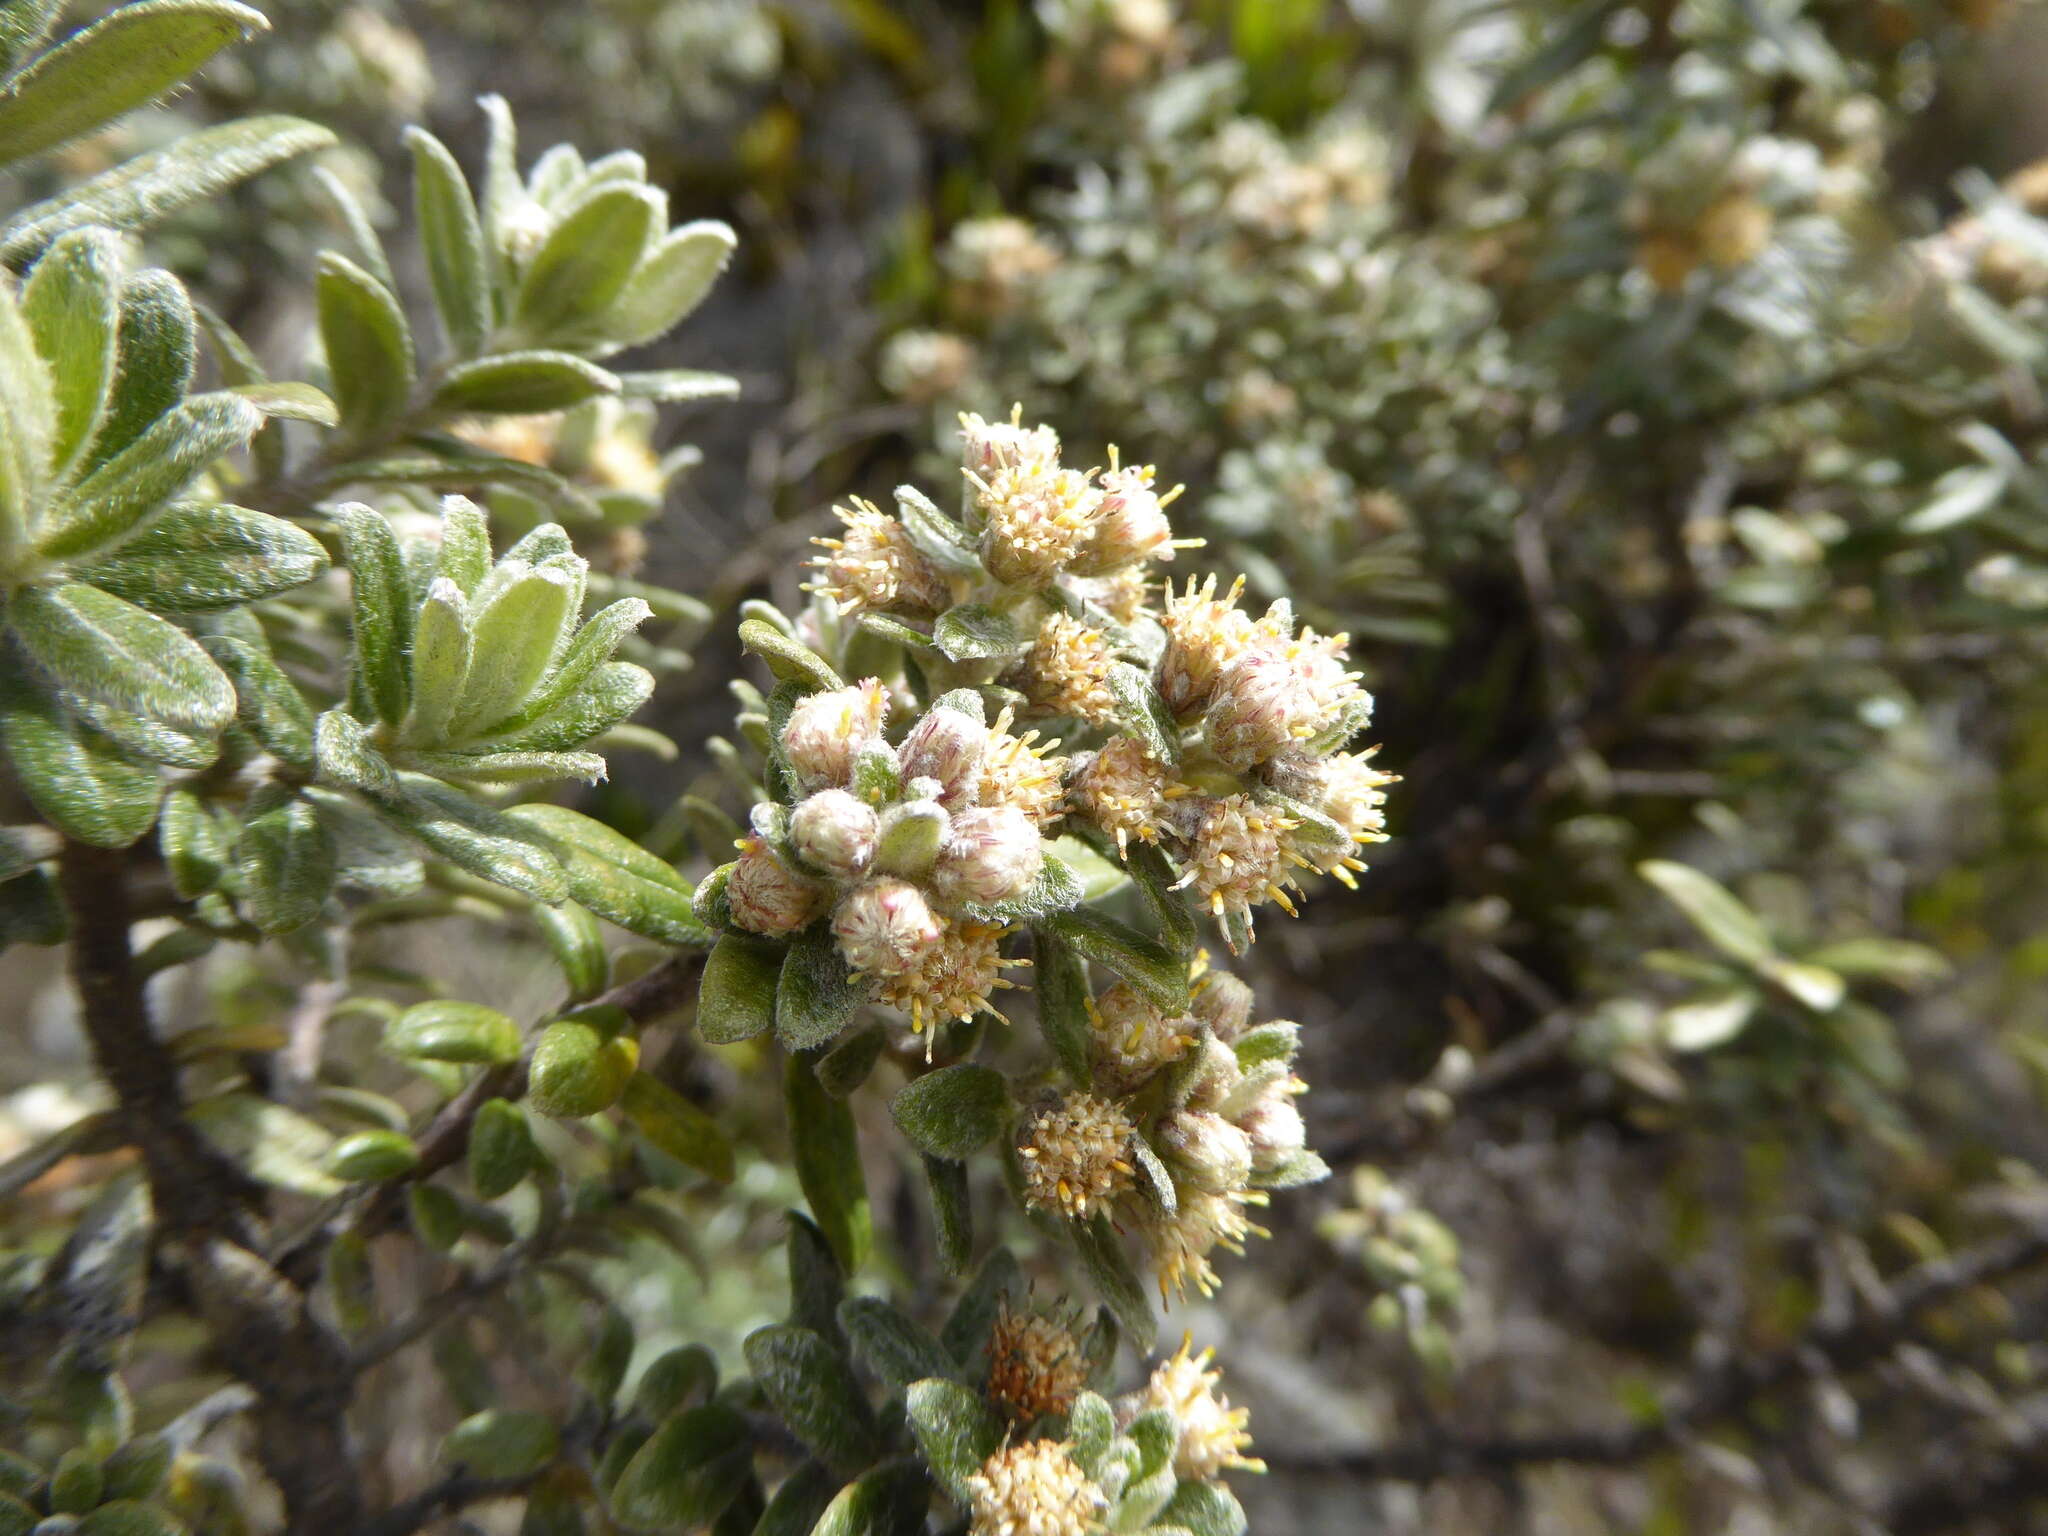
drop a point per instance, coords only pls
(468, 1070)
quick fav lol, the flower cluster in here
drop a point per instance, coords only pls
(1221, 1123)
(1262, 788)
(911, 850)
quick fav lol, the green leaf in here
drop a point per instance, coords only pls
(127, 1517)
(672, 1379)
(453, 238)
(268, 704)
(102, 647)
(381, 608)
(27, 420)
(72, 303)
(1145, 963)
(587, 653)
(147, 188)
(956, 1430)
(611, 695)
(1061, 984)
(1899, 961)
(502, 1442)
(852, 1058)
(894, 1346)
(816, 996)
(446, 1029)
(341, 747)
(736, 997)
(577, 1070)
(826, 1152)
(156, 349)
(289, 400)
(689, 1470)
(76, 779)
(518, 635)
(799, 1503)
(678, 386)
(678, 1127)
(952, 1212)
(890, 1500)
(577, 941)
(201, 557)
(583, 267)
(355, 219)
(790, 660)
(190, 839)
(368, 346)
(1204, 1509)
(816, 1283)
(1109, 1266)
(972, 631)
(966, 1332)
(955, 1111)
(937, 537)
(1711, 908)
(133, 55)
(443, 644)
(1141, 712)
(501, 1148)
(524, 383)
(373, 1157)
(484, 841)
(615, 877)
(286, 861)
(671, 282)
(814, 1391)
(157, 467)
(24, 25)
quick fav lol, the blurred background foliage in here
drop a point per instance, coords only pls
(1654, 392)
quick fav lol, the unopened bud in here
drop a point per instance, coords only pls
(1215, 1075)
(987, 446)
(1260, 710)
(1224, 1003)
(1213, 1154)
(885, 927)
(835, 832)
(946, 745)
(912, 835)
(826, 730)
(1275, 1127)
(992, 854)
(765, 895)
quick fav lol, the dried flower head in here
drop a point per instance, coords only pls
(1016, 770)
(825, 731)
(1133, 1039)
(876, 566)
(1035, 1364)
(1076, 1156)
(1034, 1489)
(766, 896)
(1065, 670)
(1124, 790)
(1213, 1437)
(886, 928)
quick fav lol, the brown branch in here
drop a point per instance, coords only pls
(447, 1497)
(1715, 1393)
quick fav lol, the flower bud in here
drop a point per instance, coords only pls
(1275, 1128)
(991, 855)
(835, 832)
(987, 446)
(1224, 1003)
(767, 896)
(1260, 710)
(1130, 525)
(1215, 1077)
(946, 745)
(825, 730)
(885, 927)
(1210, 1152)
